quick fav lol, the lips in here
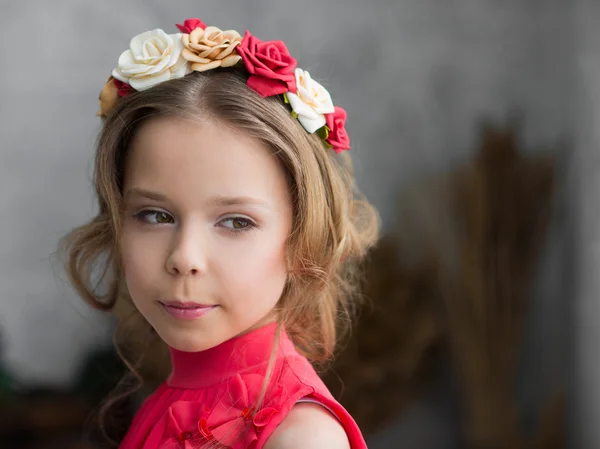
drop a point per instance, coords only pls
(185, 305)
(186, 310)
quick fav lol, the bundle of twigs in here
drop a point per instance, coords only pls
(479, 233)
(500, 207)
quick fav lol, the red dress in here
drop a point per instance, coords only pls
(206, 401)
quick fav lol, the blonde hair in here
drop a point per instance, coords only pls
(333, 227)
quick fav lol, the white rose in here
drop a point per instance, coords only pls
(311, 102)
(153, 57)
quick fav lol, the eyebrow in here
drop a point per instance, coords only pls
(215, 201)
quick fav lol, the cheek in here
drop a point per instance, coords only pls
(263, 264)
(258, 275)
(140, 260)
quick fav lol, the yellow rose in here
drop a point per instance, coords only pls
(108, 98)
(211, 48)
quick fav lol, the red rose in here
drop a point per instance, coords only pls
(338, 137)
(123, 88)
(270, 65)
(190, 25)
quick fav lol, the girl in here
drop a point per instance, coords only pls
(228, 220)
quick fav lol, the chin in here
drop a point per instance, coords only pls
(183, 341)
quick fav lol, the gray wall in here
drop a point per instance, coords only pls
(414, 75)
(585, 403)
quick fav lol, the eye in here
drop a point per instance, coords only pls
(153, 217)
(237, 224)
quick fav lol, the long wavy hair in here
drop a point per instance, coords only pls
(332, 229)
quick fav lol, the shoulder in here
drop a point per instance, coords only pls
(308, 426)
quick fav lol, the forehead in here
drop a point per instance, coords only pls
(192, 159)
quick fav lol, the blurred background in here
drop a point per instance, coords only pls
(474, 130)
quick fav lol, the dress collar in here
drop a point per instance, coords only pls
(250, 351)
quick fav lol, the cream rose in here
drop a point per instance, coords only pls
(311, 102)
(211, 48)
(153, 57)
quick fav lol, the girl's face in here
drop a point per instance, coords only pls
(204, 233)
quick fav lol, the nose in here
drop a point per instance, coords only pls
(187, 256)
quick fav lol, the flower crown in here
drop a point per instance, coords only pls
(155, 57)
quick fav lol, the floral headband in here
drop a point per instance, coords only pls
(155, 57)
